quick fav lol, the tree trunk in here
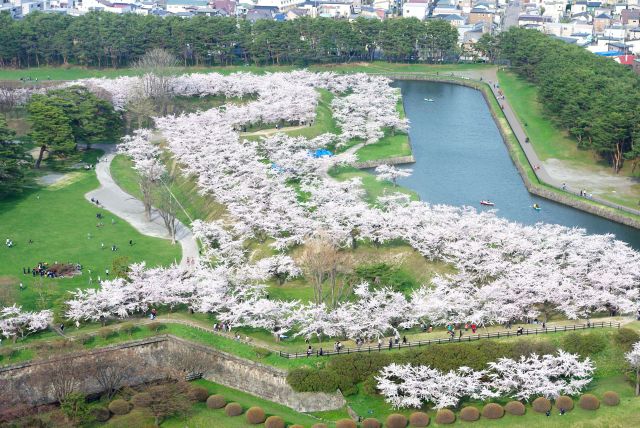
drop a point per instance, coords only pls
(43, 149)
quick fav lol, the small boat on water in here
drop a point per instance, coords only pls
(429, 100)
(536, 207)
(487, 203)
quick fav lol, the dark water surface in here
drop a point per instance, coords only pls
(461, 160)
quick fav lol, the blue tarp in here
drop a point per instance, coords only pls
(610, 53)
(320, 153)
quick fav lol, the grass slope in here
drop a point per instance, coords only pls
(59, 220)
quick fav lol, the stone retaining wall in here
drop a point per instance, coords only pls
(389, 161)
(249, 376)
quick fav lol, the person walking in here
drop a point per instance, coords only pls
(309, 351)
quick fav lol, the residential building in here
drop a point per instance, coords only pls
(481, 14)
(630, 17)
(415, 9)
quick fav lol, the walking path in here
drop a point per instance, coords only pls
(125, 206)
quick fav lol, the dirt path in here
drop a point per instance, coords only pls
(122, 204)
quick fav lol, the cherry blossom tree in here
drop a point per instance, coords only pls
(633, 358)
(547, 375)
(391, 173)
(14, 322)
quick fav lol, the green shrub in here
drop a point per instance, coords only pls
(515, 408)
(396, 420)
(261, 352)
(564, 402)
(611, 398)
(119, 407)
(528, 347)
(233, 409)
(216, 401)
(137, 418)
(371, 423)
(141, 400)
(584, 344)
(101, 414)
(255, 415)
(469, 414)
(198, 394)
(86, 339)
(156, 326)
(626, 337)
(274, 422)
(492, 411)
(106, 333)
(589, 402)
(128, 328)
(419, 419)
(392, 276)
(541, 405)
(445, 417)
(322, 380)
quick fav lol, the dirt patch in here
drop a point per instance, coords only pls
(56, 180)
(600, 181)
(8, 280)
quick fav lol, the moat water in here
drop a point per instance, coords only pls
(461, 160)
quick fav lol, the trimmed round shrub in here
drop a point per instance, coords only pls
(319, 426)
(445, 417)
(564, 402)
(346, 423)
(611, 398)
(255, 415)
(102, 414)
(469, 414)
(589, 402)
(199, 394)
(141, 399)
(119, 407)
(515, 408)
(371, 423)
(274, 422)
(492, 411)
(541, 405)
(419, 419)
(216, 401)
(233, 409)
(396, 420)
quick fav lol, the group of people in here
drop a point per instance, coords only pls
(584, 194)
(224, 326)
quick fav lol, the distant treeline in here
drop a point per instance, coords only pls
(595, 99)
(101, 39)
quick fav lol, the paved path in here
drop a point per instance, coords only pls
(125, 206)
(491, 77)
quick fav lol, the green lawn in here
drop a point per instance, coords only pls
(324, 122)
(73, 73)
(373, 187)
(59, 220)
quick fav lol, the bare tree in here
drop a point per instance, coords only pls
(112, 372)
(61, 377)
(168, 400)
(189, 364)
(141, 109)
(156, 66)
(167, 205)
(321, 260)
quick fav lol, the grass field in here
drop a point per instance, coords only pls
(73, 73)
(62, 225)
(373, 187)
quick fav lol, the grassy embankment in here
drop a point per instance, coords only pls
(550, 142)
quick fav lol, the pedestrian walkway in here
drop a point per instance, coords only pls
(125, 206)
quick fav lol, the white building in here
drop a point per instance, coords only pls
(415, 9)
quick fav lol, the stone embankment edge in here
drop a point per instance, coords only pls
(540, 188)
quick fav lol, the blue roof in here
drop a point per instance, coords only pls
(610, 53)
(279, 17)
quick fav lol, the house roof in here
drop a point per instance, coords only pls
(603, 16)
(625, 59)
